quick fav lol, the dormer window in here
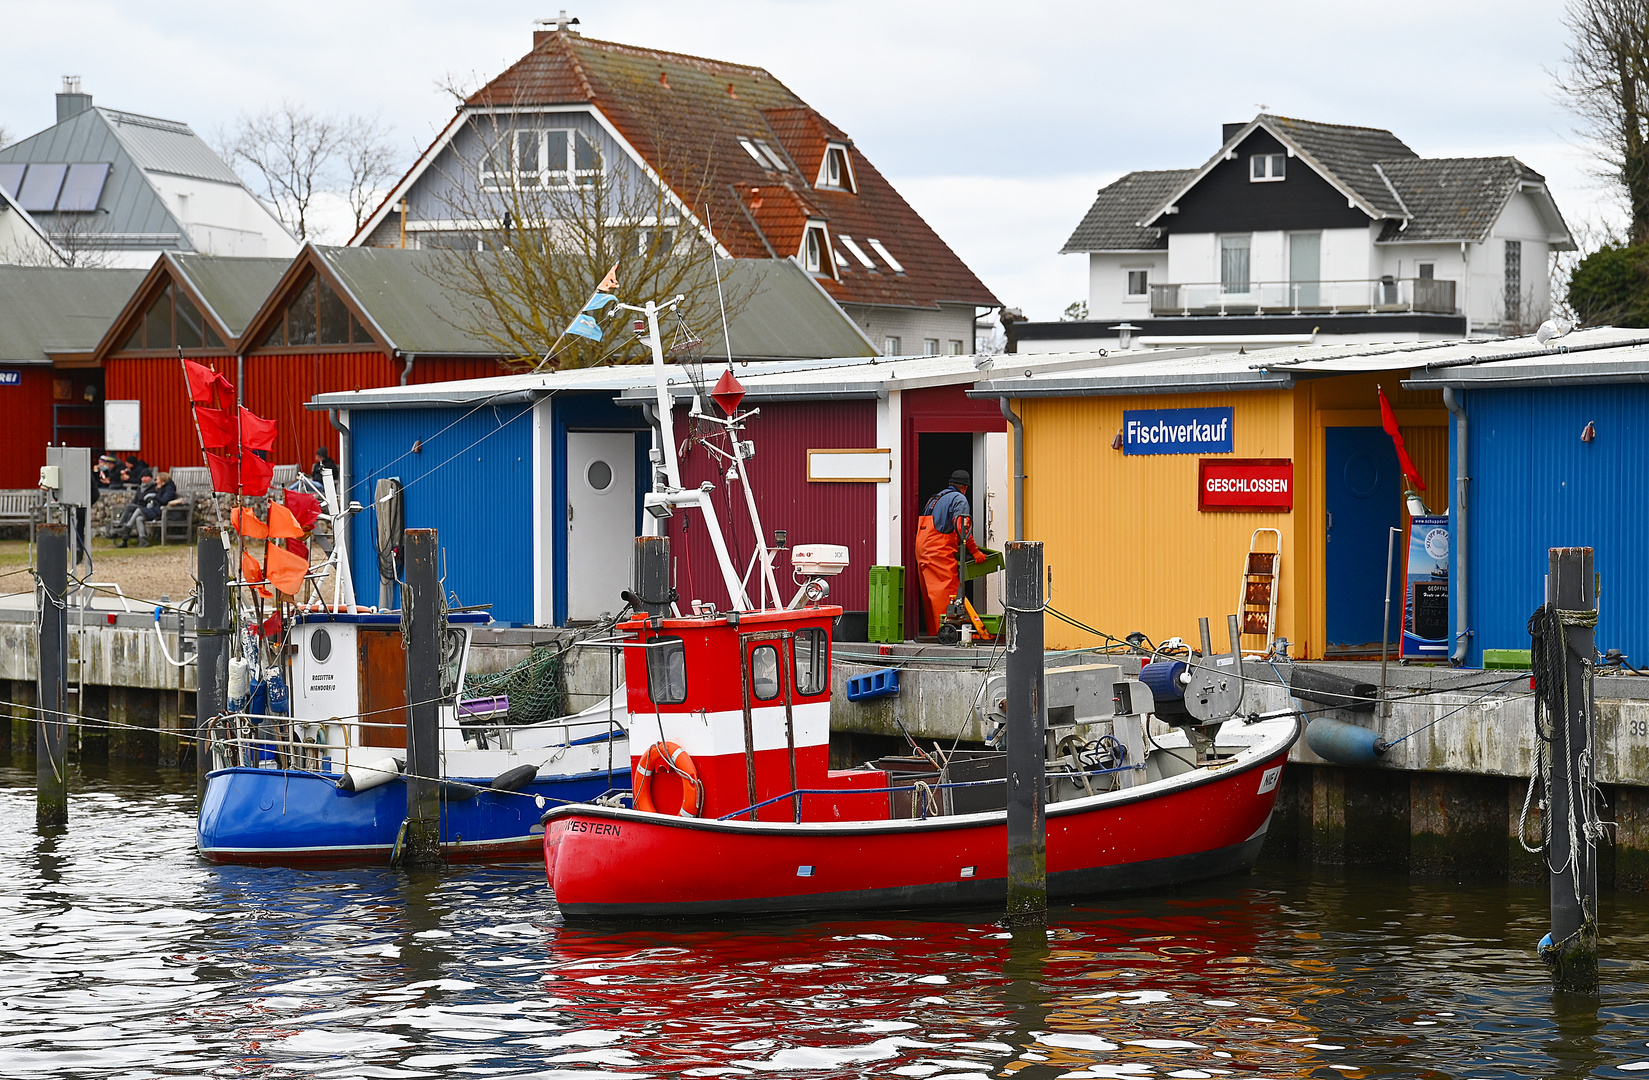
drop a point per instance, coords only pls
(836, 170)
(1264, 167)
(813, 248)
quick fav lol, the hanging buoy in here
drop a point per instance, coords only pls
(514, 779)
(369, 775)
(1343, 743)
(240, 684)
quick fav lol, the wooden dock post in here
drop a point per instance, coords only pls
(650, 575)
(211, 646)
(1027, 724)
(51, 762)
(421, 598)
(1571, 948)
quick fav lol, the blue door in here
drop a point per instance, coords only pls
(1363, 502)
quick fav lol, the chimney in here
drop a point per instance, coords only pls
(70, 101)
(561, 24)
(1228, 130)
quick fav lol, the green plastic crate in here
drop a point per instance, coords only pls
(887, 604)
(993, 562)
(1506, 659)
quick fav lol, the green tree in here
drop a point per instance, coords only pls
(1610, 287)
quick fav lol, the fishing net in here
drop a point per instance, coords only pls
(533, 687)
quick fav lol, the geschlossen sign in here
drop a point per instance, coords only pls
(1176, 431)
(1245, 484)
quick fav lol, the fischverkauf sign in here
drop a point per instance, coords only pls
(1176, 431)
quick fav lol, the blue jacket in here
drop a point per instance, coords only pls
(946, 507)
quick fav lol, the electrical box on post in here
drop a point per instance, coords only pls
(73, 485)
(50, 477)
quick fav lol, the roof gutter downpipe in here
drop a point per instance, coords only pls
(406, 372)
(343, 456)
(1018, 469)
(1462, 480)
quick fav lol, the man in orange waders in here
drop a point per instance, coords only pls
(946, 525)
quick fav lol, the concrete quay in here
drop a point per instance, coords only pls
(1446, 799)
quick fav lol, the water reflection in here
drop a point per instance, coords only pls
(123, 955)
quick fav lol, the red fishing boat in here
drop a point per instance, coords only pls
(1151, 781)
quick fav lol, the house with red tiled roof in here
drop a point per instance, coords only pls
(741, 160)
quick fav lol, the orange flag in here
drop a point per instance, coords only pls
(286, 570)
(282, 525)
(250, 570)
(245, 522)
(609, 282)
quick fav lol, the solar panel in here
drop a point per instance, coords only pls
(40, 187)
(11, 175)
(84, 186)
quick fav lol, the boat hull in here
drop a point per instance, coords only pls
(283, 817)
(610, 863)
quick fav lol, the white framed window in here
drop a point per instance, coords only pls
(1426, 271)
(542, 158)
(856, 251)
(1234, 263)
(1264, 167)
(772, 155)
(764, 155)
(836, 170)
(892, 346)
(930, 346)
(755, 154)
(1139, 282)
(815, 248)
(955, 347)
(893, 264)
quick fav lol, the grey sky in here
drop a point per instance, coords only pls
(997, 121)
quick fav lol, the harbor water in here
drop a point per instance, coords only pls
(123, 955)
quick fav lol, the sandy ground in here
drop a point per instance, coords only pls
(149, 574)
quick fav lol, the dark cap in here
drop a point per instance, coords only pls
(960, 476)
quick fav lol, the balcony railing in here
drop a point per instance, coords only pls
(1357, 295)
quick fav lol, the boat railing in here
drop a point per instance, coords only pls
(927, 804)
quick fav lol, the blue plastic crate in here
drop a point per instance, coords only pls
(873, 684)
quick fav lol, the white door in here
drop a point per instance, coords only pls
(601, 520)
(992, 506)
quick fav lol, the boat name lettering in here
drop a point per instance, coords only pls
(599, 828)
(322, 678)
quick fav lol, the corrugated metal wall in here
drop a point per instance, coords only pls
(1535, 485)
(810, 513)
(277, 386)
(26, 418)
(433, 369)
(1124, 541)
(471, 480)
(168, 428)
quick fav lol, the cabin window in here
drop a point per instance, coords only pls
(1264, 167)
(667, 671)
(317, 315)
(764, 672)
(812, 650)
(172, 322)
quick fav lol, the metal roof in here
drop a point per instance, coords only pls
(1604, 355)
(45, 310)
(233, 287)
(788, 315)
(407, 296)
(167, 146)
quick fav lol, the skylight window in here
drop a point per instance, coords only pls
(750, 148)
(773, 156)
(887, 257)
(858, 252)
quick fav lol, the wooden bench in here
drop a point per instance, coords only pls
(23, 506)
(176, 523)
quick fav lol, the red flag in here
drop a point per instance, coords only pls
(204, 382)
(256, 433)
(217, 428)
(306, 508)
(286, 569)
(298, 547)
(1388, 420)
(245, 475)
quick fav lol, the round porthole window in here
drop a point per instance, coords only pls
(320, 645)
(599, 476)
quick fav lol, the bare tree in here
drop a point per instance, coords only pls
(538, 219)
(1606, 84)
(294, 154)
(5, 137)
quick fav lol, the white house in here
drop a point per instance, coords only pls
(114, 188)
(1296, 231)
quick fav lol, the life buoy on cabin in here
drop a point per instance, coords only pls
(667, 755)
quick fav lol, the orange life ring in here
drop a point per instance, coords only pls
(662, 755)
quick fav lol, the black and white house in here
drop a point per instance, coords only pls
(1297, 231)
